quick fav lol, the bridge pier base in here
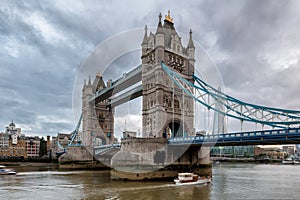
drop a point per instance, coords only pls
(153, 158)
(79, 157)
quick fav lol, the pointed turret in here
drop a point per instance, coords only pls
(89, 87)
(89, 83)
(191, 47)
(159, 35)
(145, 39)
(191, 43)
(84, 84)
(159, 26)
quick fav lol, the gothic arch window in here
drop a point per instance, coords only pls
(167, 102)
(176, 103)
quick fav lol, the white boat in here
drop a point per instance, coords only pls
(5, 171)
(191, 179)
(290, 162)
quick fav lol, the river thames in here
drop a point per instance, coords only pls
(230, 181)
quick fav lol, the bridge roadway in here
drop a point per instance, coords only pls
(265, 137)
(127, 96)
(105, 148)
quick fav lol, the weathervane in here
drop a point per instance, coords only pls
(168, 17)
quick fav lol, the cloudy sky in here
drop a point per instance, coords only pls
(255, 44)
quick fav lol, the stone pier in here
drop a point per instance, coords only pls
(79, 157)
(153, 158)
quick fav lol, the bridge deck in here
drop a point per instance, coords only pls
(127, 80)
(127, 96)
(266, 137)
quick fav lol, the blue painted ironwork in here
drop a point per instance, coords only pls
(75, 134)
(208, 96)
(63, 149)
(275, 136)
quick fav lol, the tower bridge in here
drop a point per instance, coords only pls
(169, 88)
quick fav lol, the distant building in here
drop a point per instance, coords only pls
(59, 143)
(129, 134)
(4, 140)
(270, 152)
(48, 143)
(14, 144)
(289, 149)
(298, 150)
(32, 145)
(11, 130)
(12, 147)
(232, 151)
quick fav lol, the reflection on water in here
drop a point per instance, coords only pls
(230, 181)
(255, 181)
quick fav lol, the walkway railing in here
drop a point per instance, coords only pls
(275, 136)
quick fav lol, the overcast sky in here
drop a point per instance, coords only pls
(255, 44)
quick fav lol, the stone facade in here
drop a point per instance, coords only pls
(167, 110)
(32, 147)
(152, 158)
(98, 118)
(11, 147)
(15, 145)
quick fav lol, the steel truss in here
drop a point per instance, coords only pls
(210, 97)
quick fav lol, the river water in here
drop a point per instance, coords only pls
(230, 181)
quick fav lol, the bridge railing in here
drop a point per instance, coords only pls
(107, 146)
(104, 148)
(280, 135)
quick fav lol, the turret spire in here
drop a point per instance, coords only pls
(191, 43)
(159, 21)
(84, 84)
(89, 83)
(145, 40)
(159, 26)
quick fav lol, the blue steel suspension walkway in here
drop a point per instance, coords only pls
(284, 123)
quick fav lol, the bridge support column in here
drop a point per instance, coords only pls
(79, 157)
(153, 158)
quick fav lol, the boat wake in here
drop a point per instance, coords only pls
(47, 173)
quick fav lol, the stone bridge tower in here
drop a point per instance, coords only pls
(167, 110)
(97, 117)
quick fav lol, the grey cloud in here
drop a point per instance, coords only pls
(38, 81)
